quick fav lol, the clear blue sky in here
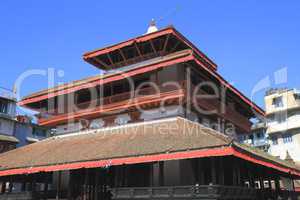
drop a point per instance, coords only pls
(249, 40)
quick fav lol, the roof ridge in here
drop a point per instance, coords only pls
(96, 131)
(213, 132)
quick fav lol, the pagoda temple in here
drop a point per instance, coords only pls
(159, 123)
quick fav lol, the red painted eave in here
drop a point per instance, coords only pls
(143, 38)
(115, 77)
(144, 69)
(223, 82)
(121, 161)
(214, 152)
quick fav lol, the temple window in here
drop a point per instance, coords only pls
(274, 140)
(287, 138)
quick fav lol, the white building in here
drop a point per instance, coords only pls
(16, 131)
(283, 123)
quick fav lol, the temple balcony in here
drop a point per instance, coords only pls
(147, 98)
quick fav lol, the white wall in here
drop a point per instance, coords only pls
(162, 113)
(281, 148)
(68, 128)
(291, 122)
(123, 119)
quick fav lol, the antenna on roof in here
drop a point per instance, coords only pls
(169, 13)
(14, 89)
(152, 27)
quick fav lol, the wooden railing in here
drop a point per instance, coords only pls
(125, 96)
(119, 100)
(208, 192)
(17, 196)
(212, 192)
(184, 192)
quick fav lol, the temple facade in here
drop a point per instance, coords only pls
(159, 123)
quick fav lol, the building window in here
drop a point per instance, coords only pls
(3, 107)
(297, 97)
(277, 102)
(39, 132)
(259, 135)
(287, 138)
(274, 140)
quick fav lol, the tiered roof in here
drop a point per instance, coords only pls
(161, 140)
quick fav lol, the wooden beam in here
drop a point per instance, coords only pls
(3, 187)
(166, 43)
(234, 173)
(175, 46)
(221, 170)
(238, 164)
(96, 183)
(58, 184)
(85, 187)
(101, 62)
(152, 45)
(138, 49)
(110, 59)
(123, 56)
(70, 186)
(213, 171)
(161, 173)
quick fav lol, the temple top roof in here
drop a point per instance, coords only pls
(158, 43)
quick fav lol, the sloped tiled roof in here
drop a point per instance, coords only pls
(163, 136)
(166, 139)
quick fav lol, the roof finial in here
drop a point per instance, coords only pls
(288, 157)
(152, 27)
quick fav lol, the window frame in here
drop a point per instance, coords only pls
(277, 102)
(287, 138)
(274, 140)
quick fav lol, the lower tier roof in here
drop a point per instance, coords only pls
(160, 140)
